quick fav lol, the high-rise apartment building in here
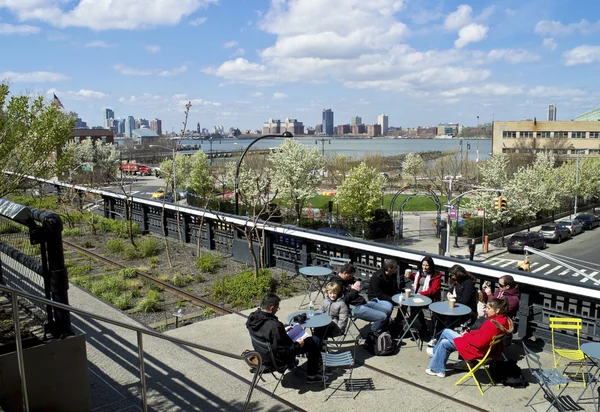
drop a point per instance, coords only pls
(328, 122)
(156, 126)
(382, 120)
(551, 112)
(355, 121)
(143, 123)
(107, 114)
(129, 126)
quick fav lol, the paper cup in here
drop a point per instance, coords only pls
(452, 302)
(407, 293)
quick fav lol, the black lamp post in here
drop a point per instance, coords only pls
(237, 169)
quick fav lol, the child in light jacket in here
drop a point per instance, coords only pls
(334, 306)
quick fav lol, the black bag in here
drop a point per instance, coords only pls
(380, 344)
(508, 373)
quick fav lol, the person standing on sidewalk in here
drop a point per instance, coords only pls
(471, 249)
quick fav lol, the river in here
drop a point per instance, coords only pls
(359, 147)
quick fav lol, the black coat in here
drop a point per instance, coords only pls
(267, 327)
(383, 287)
(351, 296)
(466, 293)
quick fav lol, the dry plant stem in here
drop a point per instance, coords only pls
(188, 106)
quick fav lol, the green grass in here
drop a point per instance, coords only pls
(416, 204)
(79, 270)
(150, 302)
(209, 262)
(114, 246)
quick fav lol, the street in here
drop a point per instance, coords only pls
(580, 252)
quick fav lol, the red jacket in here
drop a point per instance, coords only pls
(435, 286)
(475, 343)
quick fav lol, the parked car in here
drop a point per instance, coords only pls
(555, 233)
(521, 239)
(335, 231)
(589, 221)
(575, 226)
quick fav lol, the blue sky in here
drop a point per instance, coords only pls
(241, 62)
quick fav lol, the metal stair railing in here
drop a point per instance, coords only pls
(14, 293)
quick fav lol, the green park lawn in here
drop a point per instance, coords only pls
(416, 204)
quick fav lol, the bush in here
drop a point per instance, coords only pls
(180, 280)
(114, 246)
(242, 290)
(129, 252)
(80, 270)
(209, 262)
(88, 244)
(123, 301)
(118, 227)
(71, 232)
(108, 285)
(148, 247)
(150, 302)
(128, 273)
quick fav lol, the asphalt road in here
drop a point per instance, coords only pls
(143, 187)
(581, 252)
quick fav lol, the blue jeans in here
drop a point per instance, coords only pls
(376, 311)
(442, 350)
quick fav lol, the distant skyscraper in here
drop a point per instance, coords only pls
(382, 120)
(129, 126)
(107, 114)
(121, 127)
(355, 121)
(551, 112)
(328, 122)
(156, 126)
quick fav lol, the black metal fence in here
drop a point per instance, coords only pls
(32, 260)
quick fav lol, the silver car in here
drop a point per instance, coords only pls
(574, 225)
(555, 233)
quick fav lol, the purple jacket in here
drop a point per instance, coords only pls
(512, 295)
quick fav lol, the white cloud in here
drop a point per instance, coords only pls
(513, 55)
(493, 89)
(239, 52)
(100, 43)
(197, 22)
(549, 44)
(551, 91)
(230, 44)
(459, 18)
(257, 94)
(106, 14)
(82, 94)
(278, 95)
(470, 34)
(582, 55)
(151, 48)
(149, 72)
(18, 29)
(242, 69)
(144, 99)
(33, 77)
(557, 28)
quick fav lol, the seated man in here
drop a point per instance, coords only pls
(507, 289)
(384, 283)
(375, 310)
(264, 325)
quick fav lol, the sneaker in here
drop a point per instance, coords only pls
(310, 379)
(432, 343)
(429, 352)
(438, 374)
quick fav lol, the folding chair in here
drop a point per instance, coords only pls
(270, 364)
(481, 363)
(338, 354)
(335, 263)
(546, 378)
(576, 356)
(352, 324)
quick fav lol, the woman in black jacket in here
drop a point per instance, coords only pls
(462, 287)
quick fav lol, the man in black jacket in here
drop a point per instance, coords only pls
(384, 283)
(375, 310)
(264, 325)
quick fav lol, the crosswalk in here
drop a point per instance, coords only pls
(546, 269)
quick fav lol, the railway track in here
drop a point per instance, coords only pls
(173, 290)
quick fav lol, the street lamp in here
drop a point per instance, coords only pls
(239, 164)
(448, 220)
(174, 174)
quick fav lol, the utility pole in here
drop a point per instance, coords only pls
(461, 156)
(477, 142)
(576, 182)
(322, 140)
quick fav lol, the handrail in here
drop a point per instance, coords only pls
(140, 331)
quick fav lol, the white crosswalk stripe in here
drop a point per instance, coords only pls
(540, 268)
(554, 269)
(510, 262)
(593, 274)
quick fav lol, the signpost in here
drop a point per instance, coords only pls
(481, 212)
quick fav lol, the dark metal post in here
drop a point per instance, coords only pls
(20, 357)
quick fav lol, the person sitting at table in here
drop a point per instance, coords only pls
(507, 289)
(462, 288)
(427, 281)
(473, 344)
(264, 325)
(334, 306)
(375, 310)
(384, 282)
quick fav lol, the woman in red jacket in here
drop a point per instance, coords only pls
(473, 344)
(427, 281)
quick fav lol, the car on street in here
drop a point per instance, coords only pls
(158, 194)
(575, 226)
(555, 233)
(519, 240)
(589, 221)
(335, 231)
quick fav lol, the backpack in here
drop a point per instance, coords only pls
(509, 373)
(380, 344)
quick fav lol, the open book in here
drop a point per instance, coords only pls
(297, 332)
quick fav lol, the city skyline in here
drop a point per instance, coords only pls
(420, 63)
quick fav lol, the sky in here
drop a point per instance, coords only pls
(242, 62)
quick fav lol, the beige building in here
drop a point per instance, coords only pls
(530, 136)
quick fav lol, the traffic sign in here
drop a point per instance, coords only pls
(452, 212)
(481, 212)
(87, 167)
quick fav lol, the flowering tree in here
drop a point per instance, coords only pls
(104, 156)
(412, 165)
(360, 194)
(295, 173)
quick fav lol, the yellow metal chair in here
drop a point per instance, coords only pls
(574, 355)
(481, 363)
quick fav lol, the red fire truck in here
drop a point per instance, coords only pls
(136, 168)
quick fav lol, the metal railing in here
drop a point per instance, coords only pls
(14, 294)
